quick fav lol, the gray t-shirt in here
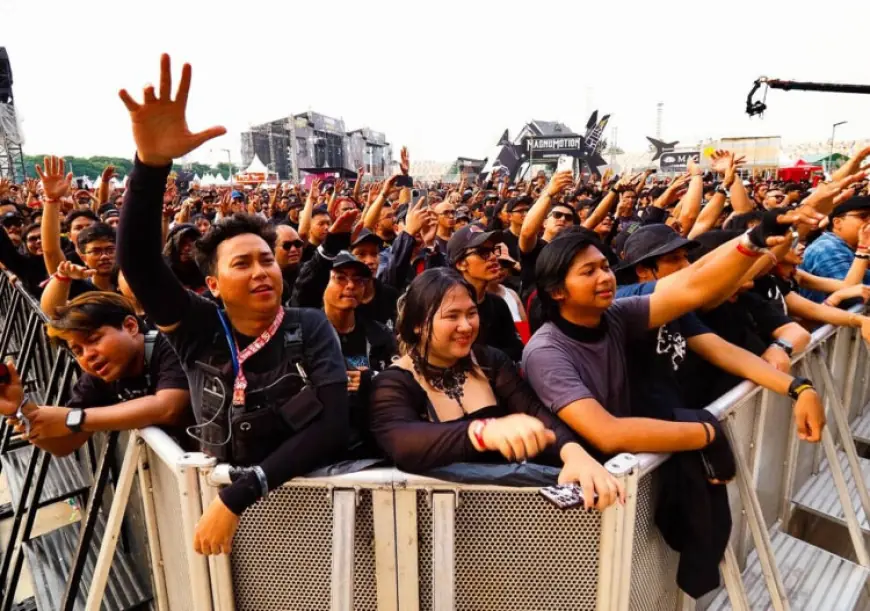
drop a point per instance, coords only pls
(562, 369)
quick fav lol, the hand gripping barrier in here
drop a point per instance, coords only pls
(383, 539)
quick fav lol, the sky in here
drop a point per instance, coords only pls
(443, 78)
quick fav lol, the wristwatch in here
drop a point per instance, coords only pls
(785, 345)
(797, 386)
(75, 419)
(722, 189)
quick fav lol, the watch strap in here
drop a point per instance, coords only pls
(797, 386)
(72, 426)
(788, 348)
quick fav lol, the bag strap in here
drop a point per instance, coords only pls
(150, 340)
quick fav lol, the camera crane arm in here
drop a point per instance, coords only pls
(758, 107)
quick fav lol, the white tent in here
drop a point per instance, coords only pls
(220, 180)
(196, 179)
(98, 182)
(785, 161)
(207, 180)
(256, 167)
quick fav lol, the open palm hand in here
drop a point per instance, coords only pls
(159, 123)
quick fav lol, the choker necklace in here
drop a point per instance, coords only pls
(449, 380)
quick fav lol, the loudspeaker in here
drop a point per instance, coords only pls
(5, 77)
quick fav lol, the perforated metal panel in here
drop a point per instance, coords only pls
(173, 543)
(653, 563)
(516, 551)
(282, 553)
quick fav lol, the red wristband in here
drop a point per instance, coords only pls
(60, 277)
(747, 252)
(477, 432)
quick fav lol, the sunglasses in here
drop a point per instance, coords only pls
(520, 211)
(33, 239)
(562, 215)
(292, 244)
(484, 252)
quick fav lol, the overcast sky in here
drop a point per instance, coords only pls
(444, 78)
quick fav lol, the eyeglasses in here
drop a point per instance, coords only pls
(33, 239)
(344, 279)
(562, 215)
(109, 251)
(520, 211)
(449, 214)
(292, 244)
(484, 252)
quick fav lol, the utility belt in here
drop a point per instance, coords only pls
(278, 405)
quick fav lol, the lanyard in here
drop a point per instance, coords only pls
(238, 358)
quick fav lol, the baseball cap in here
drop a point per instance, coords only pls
(652, 241)
(11, 218)
(346, 259)
(366, 235)
(850, 205)
(522, 200)
(470, 236)
(237, 195)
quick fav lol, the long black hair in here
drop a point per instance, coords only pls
(418, 307)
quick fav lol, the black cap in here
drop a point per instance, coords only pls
(652, 241)
(293, 202)
(366, 235)
(345, 259)
(855, 203)
(470, 236)
(111, 212)
(11, 218)
(522, 200)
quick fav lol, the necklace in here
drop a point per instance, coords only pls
(449, 380)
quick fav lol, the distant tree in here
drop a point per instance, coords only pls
(92, 167)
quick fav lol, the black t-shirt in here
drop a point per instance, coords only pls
(655, 359)
(513, 244)
(70, 253)
(383, 306)
(80, 287)
(528, 260)
(163, 372)
(354, 348)
(749, 323)
(497, 327)
(774, 289)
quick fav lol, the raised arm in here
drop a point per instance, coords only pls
(308, 208)
(717, 274)
(373, 214)
(691, 202)
(537, 214)
(603, 208)
(105, 185)
(161, 135)
(56, 185)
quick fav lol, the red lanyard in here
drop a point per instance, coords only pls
(241, 382)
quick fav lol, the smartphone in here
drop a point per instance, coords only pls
(564, 496)
(404, 181)
(565, 164)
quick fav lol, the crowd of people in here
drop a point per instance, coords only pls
(557, 320)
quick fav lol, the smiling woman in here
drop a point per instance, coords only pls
(446, 401)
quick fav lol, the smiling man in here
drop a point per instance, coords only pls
(285, 408)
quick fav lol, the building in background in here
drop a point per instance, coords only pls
(312, 143)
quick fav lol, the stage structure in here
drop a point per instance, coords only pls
(544, 142)
(11, 155)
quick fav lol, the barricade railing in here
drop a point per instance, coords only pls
(383, 539)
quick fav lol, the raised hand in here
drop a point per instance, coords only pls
(75, 272)
(418, 217)
(345, 222)
(5, 186)
(822, 199)
(405, 163)
(389, 185)
(54, 182)
(853, 166)
(694, 169)
(721, 161)
(32, 186)
(559, 182)
(108, 173)
(159, 123)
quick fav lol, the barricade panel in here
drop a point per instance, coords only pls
(173, 544)
(653, 563)
(514, 551)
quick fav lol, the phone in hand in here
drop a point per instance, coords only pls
(403, 181)
(565, 164)
(565, 496)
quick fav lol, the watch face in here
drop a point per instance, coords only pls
(74, 418)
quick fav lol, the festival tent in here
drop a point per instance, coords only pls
(256, 173)
(801, 170)
(207, 180)
(220, 181)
